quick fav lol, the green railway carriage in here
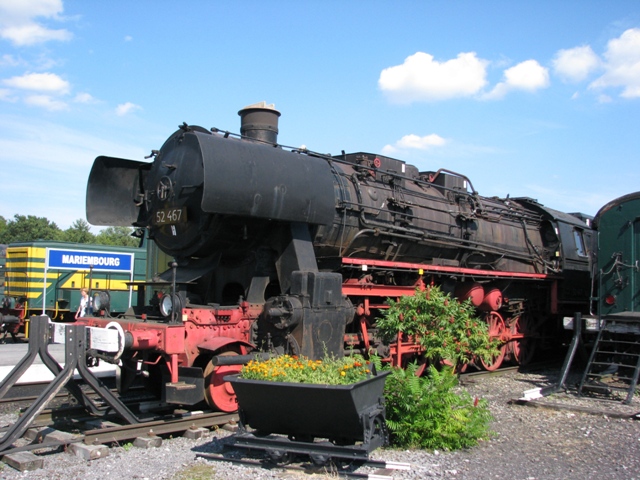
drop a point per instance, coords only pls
(614, 363)
(43, 277)
(618, 263)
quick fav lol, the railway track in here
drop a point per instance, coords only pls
(47, 436)
(65, 415)
(468, 376)
(383, 469)
(529, 368)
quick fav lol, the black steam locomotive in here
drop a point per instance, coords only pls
(286, 250)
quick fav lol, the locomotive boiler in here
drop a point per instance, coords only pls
(274, 249)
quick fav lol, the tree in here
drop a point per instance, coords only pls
(117, 236)
(3, 225)
(79, 232)
(28, 229)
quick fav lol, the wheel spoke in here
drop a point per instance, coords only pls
(496, 330)
(523, 348)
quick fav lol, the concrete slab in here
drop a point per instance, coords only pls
(88, 452)
(230, 427)
(40, 434)
(196, 433)
(32, 433)
(50, 434)
(150, 441)
(23, 461)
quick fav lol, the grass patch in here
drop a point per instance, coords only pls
(196, 472)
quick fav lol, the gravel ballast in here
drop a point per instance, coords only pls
(528, 443)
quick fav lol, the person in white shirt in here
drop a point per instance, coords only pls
(84, 303)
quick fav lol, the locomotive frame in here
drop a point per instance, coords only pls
(286, 250)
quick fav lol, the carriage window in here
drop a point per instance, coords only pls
(579, 238)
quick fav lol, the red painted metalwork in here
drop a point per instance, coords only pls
(492, 301)
(522, 342)
(172, 364)
(365, 333)
(402, 349)
(472, 291)
(443, 269)
(202, 330)
(373, 290)
(218, 393)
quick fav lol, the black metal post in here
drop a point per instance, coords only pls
(566, 366)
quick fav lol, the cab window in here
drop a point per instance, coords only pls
(579, 239)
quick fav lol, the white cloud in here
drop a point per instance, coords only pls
(40, 90)
(415, 142)
(125, 108)
(128, 38)
(528, 76)
(17, 22)
(575, 64)
(421, 78)
(9, 61)
(622, 65)
(46, 101)
(7, 95)
(84, 98)
(20, 10)
(32, 33)
(42, 82)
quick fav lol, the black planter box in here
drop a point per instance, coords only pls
(342, 414)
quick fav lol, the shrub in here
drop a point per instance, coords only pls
(425, 412)
(445, 328)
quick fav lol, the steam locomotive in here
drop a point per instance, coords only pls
(274, 249)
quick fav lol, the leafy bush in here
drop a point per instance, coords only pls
(445, 328)
(425, 412)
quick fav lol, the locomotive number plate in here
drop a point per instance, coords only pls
(170, 216)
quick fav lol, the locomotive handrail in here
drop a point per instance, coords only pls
(432, 177)
(617, 263)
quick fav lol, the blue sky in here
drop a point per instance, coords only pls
(526, 98)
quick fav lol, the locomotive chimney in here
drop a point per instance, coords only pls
(260, 122)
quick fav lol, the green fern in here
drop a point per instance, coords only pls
(425, 412)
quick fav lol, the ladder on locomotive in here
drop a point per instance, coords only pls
(614, 363)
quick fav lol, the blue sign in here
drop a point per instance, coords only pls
(84, 260)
